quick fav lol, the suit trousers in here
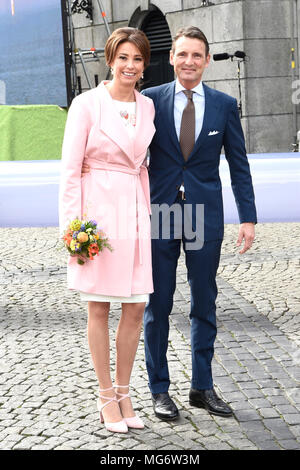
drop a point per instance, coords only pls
(202, 265)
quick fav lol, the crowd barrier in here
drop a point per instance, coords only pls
(29, 190)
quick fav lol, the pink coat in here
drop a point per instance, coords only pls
(115, 193)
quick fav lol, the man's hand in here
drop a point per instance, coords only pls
(247, 233)
(85, 169)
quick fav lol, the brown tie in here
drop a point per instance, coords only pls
(187, 129)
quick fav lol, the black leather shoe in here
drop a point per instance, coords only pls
(164, 407)
(209, 400)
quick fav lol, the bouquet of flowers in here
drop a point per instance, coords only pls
(83, 240)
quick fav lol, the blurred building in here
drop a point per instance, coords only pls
(263, 29)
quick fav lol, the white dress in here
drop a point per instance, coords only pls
(128, 113)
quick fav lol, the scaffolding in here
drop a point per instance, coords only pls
(76, 56)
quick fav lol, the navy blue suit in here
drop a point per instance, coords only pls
(200, 175)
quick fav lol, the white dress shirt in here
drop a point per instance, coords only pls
(180, 101)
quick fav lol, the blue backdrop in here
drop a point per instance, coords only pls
(32, 69)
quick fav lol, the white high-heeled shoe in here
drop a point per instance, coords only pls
(134, 422)
(119, 426)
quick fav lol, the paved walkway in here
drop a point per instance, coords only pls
(48, 387)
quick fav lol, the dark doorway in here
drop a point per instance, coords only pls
(156, 28)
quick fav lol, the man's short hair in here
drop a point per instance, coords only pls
(191, 32)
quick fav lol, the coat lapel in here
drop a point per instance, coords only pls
(144, 129)
(166, 104)
(111, 122)
(210, 115)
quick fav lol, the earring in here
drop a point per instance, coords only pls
(142, 75)
(112, 71)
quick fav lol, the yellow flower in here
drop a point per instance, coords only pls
(75, 225)
(82, 237)
(73, 245)
(96, 236)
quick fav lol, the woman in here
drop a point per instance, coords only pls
(109, 129)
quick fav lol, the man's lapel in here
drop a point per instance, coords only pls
(166, 104)
(144, 127)
(210, 115)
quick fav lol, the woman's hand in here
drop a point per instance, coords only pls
(80, 258)
(85, 169)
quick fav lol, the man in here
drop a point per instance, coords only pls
(193, 122)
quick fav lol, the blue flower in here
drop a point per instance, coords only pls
(82, 228)
(93, 222)
(75, 234)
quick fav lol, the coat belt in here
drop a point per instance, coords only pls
(142, 173)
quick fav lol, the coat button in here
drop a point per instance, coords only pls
(184, 167)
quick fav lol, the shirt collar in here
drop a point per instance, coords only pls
(198, 89)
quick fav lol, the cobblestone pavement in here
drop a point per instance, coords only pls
(48, 386)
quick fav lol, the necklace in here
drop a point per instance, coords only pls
(124, 114)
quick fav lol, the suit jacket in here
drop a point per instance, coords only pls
(115, 192)
(200, 173)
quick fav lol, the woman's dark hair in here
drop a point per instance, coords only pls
(133, 35)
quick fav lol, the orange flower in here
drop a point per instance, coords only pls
(94, 247)
(93, 250)
(68, 238)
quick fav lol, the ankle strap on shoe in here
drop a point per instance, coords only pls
(105, 389)
(109, 399)
(122, 395)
